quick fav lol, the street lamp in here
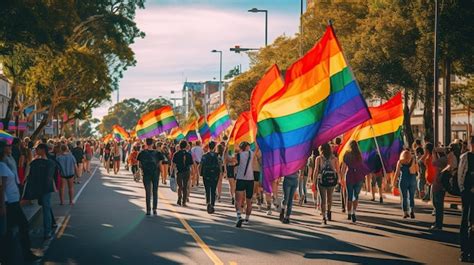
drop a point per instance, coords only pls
(221, 92)
(256, 10)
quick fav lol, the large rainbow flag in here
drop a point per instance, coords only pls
(191, 132)
(218, 121)
(204, 130)
(120, 134)
(176, 134)
(244, 129)
(4, 136)
(319, 101)
(386, 126)
(268, 86)
(156, 122)
(107, 138)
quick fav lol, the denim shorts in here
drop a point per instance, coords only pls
(353, 190)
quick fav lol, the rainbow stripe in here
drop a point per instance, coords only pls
(191, 132)
(4, 136)
(204, 130)
(176, 134)
(386, 126)
(244, 129)
(119, 133)
(319, 101)
(268, 86)
(156, 122)
(218, 121)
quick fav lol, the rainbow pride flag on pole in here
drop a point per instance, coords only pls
(218, 121)
(4, 136)
(120, 134)
(176, 134)
(386, 127)
(191, 132)
(244, 129)
(204, 130)
(156, 122)
(319, 101)
(107, 138)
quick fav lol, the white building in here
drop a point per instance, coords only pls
(5, 94)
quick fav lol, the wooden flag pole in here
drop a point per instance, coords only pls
(378, 150)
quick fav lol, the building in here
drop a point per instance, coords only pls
(207, 92)
(5, 94)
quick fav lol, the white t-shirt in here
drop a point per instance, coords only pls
(243, 157)
(197, 152)
(12, 194)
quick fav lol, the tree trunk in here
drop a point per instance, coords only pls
(11, 106)
(407, 119)
(44, 121)
(428, 110)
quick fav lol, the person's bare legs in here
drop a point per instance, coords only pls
(219, 185)
(70, 184)
(232, 187)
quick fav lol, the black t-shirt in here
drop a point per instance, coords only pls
(42, 175)
(149, 160)
(78, 154)
(183, 160)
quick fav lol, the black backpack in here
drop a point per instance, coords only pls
(148, 162)
(328, 176)
(210, 165)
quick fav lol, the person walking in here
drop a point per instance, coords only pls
(150, 162)
(42, 180)
(354, 170)
(210, 171)
(465, 177)
(405, 176)
(68, 165)
(220, 153)
(107, 157)
(257, 167)
(88, 152)
(326, 173)
(244, 185)
(115, 156)
(197, 152)
(133, 162)
(165, 165)
(290, 183)
(12, 209)
(377, 179)
(440, 163)
(78, 153)
(229, 162)
(182, 162)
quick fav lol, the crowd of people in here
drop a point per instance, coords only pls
(40, 169)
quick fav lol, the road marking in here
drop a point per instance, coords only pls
(84, 186)
(215, 259)
(63, 226)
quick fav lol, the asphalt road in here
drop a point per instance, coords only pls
(108, 226)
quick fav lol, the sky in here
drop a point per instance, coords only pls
(180, 35)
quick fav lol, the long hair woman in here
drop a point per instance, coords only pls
(406, 172)
(355, 171)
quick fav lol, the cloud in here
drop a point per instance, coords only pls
(178, 43)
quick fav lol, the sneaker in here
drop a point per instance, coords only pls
(405, 215)
(178, 202)
(349, 216)
(412, 215)
(435, 228)
(381, 200)
(325, 220)
(212, 210)
(246, 221)
(286, 220)
(239, 222)
(154, 212)
(282, 215)
(209, 208)
(305, 201)
(329, 216)
(354, 218)
(148, 213)
(233, 201)
(269, 211)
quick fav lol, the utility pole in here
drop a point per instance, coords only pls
(435, 77)
(447, 102)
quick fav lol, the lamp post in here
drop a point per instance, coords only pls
(435, 77)
(221, 92)
(256, 10)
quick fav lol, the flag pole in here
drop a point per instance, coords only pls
(378, 150)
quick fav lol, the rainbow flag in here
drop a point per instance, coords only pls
(120, 134)
(156, 122)
(386, 126)
(191, 132)
(268, 86)
(319, 101)
(204, 130)
(4, 136)
(218, 121)
(107, 138)
(176, 134)
(244, 129)
(133, 134)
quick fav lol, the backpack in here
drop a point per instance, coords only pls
(149, 163)
(450, 183)
(327, 176)
(210, 165)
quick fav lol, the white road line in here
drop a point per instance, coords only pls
(84, 186)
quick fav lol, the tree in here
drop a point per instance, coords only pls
(126, 113)
(86, 128)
